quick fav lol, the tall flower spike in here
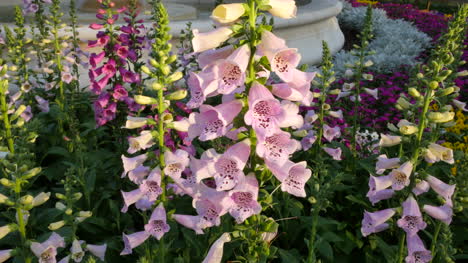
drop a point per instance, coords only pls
(293, 176)
(417, 253)
(212, 122)
(412, 220)
(244, 199)
(157, 225)
(375, 222)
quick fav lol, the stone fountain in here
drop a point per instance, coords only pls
(315, 21)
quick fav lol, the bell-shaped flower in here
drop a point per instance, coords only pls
(211, 205)
(5, 255)
(228, 13)
(373, 92)
(229, 73)
(138, 174)
(443, 213)
(378, 188)
(336, 114)
(210, 40)
(130, 163)
(277, 147)
(411, 221)
(283, 60)
(144, 141)
(283, 8)
(441, 188)
(97, 250)
(175, 162)
(215, 254)
(227, 169)
(330, 133)
(384, 163)
(42, 104)
(308, 140)
(460, 105)
(212, 122)
(132, 241)
(47, 250)
(417, 253)
(266, 114)
(334, 153)
(157, 225)
(406, 127)
(292, 92)
(375, 222)
(310, 117)
(435, 153)
(135, 122)
(201, 85)
(192, 222)
(146, 194)
(400, 176)
(77, 252)
(244, 199)
(207, 57)
(389, 140)
(293, 176)
(420, 188)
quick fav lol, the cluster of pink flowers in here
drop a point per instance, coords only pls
(110, 67)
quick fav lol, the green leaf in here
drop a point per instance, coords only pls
(325, 250)
(289, 256)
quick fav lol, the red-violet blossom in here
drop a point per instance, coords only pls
(375, 222)
(47, 250)
(400, 176)
(441, 188)
(212, 122)
(293, 176)
(95, 59)
(411, 221)
(417, 253)
(277, 147)
(244, 199)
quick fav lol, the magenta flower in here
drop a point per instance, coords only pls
(175, 162)
(128, 76)
(47, 250)
(400, 176)
(417, 253)
(330, 133)
(334, 153)
(157, 225)
(443, 213)
(266, 115)
(375, 222)
(293, 176)
(120, 93)
(244, 199)
(277, 147)
(132, 241)
(95, 59)
(109, 68)
(441, 188)
(211, 122)
(412, 220)
(378, 189)
(229, 73)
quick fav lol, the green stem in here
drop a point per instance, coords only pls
(252, 42)
(311, 258)
(6, 120)
(434, 239)
(357, 94)
(21, 223)
(401, 248)
(161, 142)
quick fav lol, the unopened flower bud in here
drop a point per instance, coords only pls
(177, 95)
(60, 206)
(77, 196)
(7, 183)
(440, 117)
(368, 76)
(181, 125)
(175, 76)
(368, 63)
(146, 70)
(56, 225)
(27, 200)
(156, 85)
(335, 92)
(300, 133)
(135, 122)
(31, 173)
(403, 103)
(60, 196)
(166, 70)
(154, 63)
(41, 199)
(3, 198)
(69, 211)
(463, 73)
(392, 127)
(5, 230)
(446, 92)
(433, 85)
(145, 100)
(414, 92)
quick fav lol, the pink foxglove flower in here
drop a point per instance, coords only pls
(47, 250)
(201, 85)
(378, 189)
(292, 92)
(209, 40)
(207, 57)
(417, 253)
(132, 241)
(229, 73)
(310, 117)
(421, 188)
(277, 147)
(384, 163)
(244, 199)
(215, 254)
(375, 222)
(192, 222)
(211, 205)
(157, 225)
(138, 174)
(175, 162)
(441, 188)
(130, 163)
(266, 115)
(5, 255)
(443, 213)
(96, 59)
(400, 176)
(334, 153)
(146, 194)
(77, 252)
(330, 133)
(412, 220)
(97, 250)
(144, 141)
(293, 176)
(212, 122)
